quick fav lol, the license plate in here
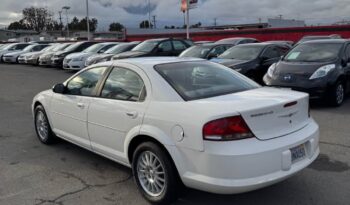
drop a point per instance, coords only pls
(298, 153)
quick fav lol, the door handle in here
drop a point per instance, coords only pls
(132, 114)
(81, 105)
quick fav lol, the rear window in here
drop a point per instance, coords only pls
(198, 80)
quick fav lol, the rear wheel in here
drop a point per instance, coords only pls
(42, 126)
(337, 94)
(154, 173)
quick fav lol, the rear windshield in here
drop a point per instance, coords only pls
(314, 52)
(198, 80)
(196, 51)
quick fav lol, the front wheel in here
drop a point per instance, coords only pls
(337, 94)
(42, 126)
(155, 174)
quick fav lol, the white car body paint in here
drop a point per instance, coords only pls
(218, 167)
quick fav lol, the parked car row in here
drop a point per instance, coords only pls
(318, 65)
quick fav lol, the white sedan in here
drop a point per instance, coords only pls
(175, 121)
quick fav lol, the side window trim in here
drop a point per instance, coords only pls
(142, 95)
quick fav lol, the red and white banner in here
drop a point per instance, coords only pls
(188, 4)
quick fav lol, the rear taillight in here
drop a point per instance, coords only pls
(227, 129)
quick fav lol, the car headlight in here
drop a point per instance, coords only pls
(271, 70)
(322, 72)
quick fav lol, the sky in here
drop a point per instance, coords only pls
(131, 12)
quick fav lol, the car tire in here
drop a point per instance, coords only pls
(157, 181)
(42, 126)
(337, 94)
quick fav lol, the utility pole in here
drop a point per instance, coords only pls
(87, 20)
(67, 8)
(188, 22)
(61, 25)
(149, 14)
(215, 21)
(154, 21)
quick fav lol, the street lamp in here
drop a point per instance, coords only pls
(67, 8)
(87, 20)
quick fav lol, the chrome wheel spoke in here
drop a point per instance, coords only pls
(151, 173)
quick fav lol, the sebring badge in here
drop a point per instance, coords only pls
(288, 115)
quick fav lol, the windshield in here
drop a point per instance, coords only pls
(314, 52)
(94, 48)
(146, 46)
(72, 47)
(229, 41)
(196, 51)
(118, 49)
(49, 48)
(28, 48)
(61, 47)
(310, 38)
(198, 80)
(242, 52)
(6, 46)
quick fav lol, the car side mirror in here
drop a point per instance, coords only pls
(160, 50)
(212, 55)
(264, 59)
(59, 88)
(344, 62)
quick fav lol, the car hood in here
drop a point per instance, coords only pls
(130, 54)
(78, 55)
(33, 53)
(299, 68)
(229, 62)
(16, 53)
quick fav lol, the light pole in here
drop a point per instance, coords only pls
(67, 8)
(149, 14)
(87, 20)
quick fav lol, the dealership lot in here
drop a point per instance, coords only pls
(31, 173)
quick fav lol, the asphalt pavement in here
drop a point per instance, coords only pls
(65, 174)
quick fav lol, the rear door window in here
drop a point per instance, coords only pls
(123, 84)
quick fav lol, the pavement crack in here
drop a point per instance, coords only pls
(85, 187)
(335, 144)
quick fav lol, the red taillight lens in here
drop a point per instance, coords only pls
(226, 129)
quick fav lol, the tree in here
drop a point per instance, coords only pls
(197, 25)
(36, 18)
(145, 24)
(18, 25)
(115, 26)
(81, 25)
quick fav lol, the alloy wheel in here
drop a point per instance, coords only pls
(151, 174)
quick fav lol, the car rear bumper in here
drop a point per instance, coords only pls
(246, 165)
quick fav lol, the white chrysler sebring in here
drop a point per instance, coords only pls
(181, 121)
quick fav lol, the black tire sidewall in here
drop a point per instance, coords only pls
(170, 193)
(51, 137)
(333, 94)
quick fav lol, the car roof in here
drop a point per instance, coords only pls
(328, 41)
(152, 61)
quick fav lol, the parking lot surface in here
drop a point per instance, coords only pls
(32, 173)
